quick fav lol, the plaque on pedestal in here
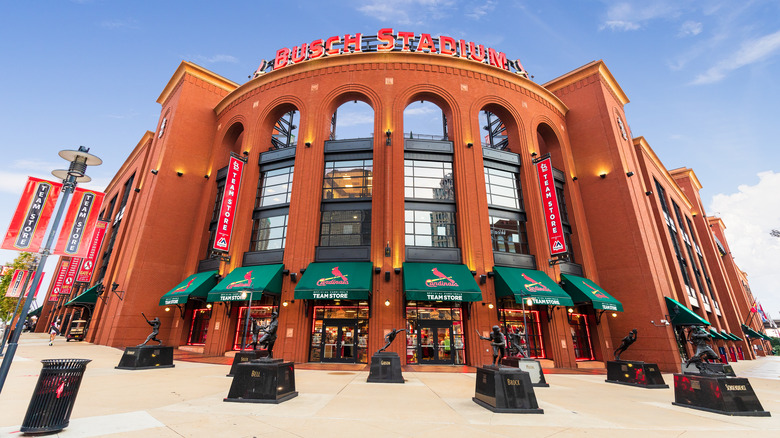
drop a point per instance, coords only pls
(505, 390)
(709, 369)
(146, 357)
(263, 381)
(721, 395)
(245, 356)
(532, 366)
(635, 373)
(385, 368)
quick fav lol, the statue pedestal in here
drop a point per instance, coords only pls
(263, 381)
(713, 368)
(532, 366)
(721, 395)
(245, 356)
(146, 357)
(385, 368)
(635, 373)
(505, 390)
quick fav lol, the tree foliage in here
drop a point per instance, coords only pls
(8, 304)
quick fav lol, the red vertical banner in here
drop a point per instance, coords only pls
(37, 288)
(59, 280)
(17, 283)
(228, 208)
(79, 223)
(552, 213)
(32, 215)
(88, 265)
(70, 276)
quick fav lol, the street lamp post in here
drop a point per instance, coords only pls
(30, 267)
(79, 160)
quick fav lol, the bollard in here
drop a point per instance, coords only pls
(54, 395)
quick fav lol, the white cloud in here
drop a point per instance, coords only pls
(480, 11)
(751, 52)
(354, 118)
(213, 59)
(407, 12)
(625, 16)
(749, 216)
(691, 28)
(12, 182)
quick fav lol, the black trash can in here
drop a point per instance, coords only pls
(54, 396)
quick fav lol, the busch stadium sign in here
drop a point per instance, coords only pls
(386, 40)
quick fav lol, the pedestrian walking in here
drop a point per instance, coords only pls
(54, 330)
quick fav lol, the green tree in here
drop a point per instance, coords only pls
(8, 304)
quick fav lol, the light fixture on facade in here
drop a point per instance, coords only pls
(136, 190)
(530, 302)
(180, 173)
(206, 176)
(614, 315)
(469, 145)
(570, 310)
(245, 153)
(490, 305)
(629, 174)
(154, 171)
(209, 306)
(533, 154)
(285, 304)
(574, 178)
(397, 270)
(167, 309)
(308, 144)
(648, 193)
(387, 303)
(388, 251)
(603, 175)
(482, 279)
(388, 133)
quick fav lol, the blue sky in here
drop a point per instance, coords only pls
(700, 77)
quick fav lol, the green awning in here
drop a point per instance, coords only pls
(335, 281)
(681, 315)
(242, 282)
(523, 284)
(583, 290)
(751, 333)
(440, 282)
(194, 286)
(729, 336)
(89, 296)
(717, 335)
(36, 312)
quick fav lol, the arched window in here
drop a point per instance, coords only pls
(285, 134)
(494, 130)
(425, 120)
(351, 120)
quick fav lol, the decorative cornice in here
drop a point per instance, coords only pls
(595, 67)
(199, 72)
(641, 143)
(684, 171)
(392, 61)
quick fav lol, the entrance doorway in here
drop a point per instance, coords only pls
(199, 327)
(580, 336)
(338, 340)
(435, 346)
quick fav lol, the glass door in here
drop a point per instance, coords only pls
(339, 341)
(435, 342)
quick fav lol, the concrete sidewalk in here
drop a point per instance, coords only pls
(186, 401)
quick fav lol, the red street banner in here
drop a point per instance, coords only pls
(29, 284)
(79, 223)
(229, 201)
(552, 214)
(70, 277)
(88, 265)
(59, 280)
(32, 215)
(17, 283)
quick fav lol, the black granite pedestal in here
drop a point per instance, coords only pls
(385, 368)
(532, 366)
(245, 356)
(635, 373)
(505, 390)
(263, 381)
(721, 395)
(146, 357)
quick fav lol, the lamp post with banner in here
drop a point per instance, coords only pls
(79, 160)
(25, 294)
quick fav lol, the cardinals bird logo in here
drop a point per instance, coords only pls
(443, 280)
(338, 278)
(185, 287)
(597, 293)
(534, 286)
(246, 282)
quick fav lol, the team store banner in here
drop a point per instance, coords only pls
(79, 223)
(32, 215)
(552, 214)
(88, 265)
(229, 200)
(18, 283)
